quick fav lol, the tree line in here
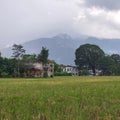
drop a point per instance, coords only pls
(87, 57)
(18, 64)
(92, 57)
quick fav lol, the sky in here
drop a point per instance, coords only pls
(24, 20)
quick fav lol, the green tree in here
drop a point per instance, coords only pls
(10, 66)
(18, 52)
(116, 58)
(87, 56)
(43, 57)
(29, 58)
(1, 66)
(107, 65)
(7, 67)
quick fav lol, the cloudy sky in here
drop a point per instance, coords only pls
(24, 20)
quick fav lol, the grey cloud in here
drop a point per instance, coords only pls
(107, 4)
(24, 20)
(98, 23)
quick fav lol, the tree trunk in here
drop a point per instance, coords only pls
(18, 69)
(94, 71)
(45, 70)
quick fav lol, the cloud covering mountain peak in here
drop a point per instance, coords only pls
(25, 20)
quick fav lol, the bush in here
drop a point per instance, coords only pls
(4, 74)
(45, 75)
(63, 74)
(84, 72)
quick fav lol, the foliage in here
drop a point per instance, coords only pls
(45, 75)
(107, 65)
(56, 67)
(18, 52)
(62, 74)
(87, 56)
(7, 67)
(84, 72)
(116, 58)
(4, 74)
(43, 56)
(29, 58)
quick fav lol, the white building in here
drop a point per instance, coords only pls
(71, 69)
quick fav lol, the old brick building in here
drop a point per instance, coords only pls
(38, 69)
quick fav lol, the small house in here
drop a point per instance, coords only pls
(70, 69)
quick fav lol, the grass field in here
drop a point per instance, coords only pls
(60, 98)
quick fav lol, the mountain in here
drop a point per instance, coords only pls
(62, 47)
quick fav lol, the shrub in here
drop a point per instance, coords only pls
(45, 75)
(63, 74)
(4, 74)
(84, 72)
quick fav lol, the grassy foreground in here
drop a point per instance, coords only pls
(60, 98)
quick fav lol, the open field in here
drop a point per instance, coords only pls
(60, 98)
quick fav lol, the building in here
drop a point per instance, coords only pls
(98, 72)
(39, 69)
(70, 69)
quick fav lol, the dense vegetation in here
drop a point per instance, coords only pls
(60, 98)
(87, 57)
(92, 57)
(18, 65)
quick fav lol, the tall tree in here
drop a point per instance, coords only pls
(108, 65)
(18, 52)
(43, 57)
(87, 55)
(116, 57)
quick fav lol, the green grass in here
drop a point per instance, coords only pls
(60, 98)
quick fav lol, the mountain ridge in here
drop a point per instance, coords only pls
(62, 47)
